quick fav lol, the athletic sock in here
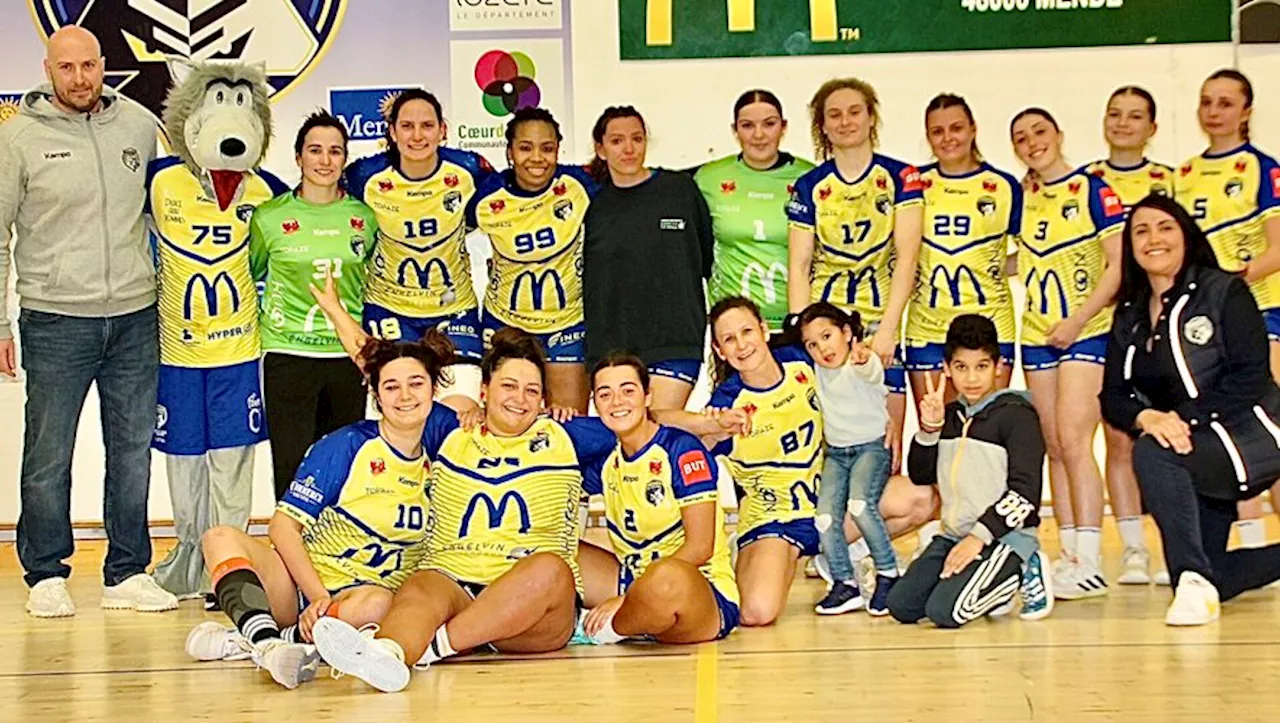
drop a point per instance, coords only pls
(606, 635)
(291, 634)
(1089, 545)
(1131, 532)
(242, 597)
(928, 531)
(1067, 540)
(858, 550)
(892, 572)
(439, 648)
(1253, 533)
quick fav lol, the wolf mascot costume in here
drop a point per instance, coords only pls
(209, 414)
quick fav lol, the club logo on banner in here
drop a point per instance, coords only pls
(364, 111)
(290, 36)
(9, 106)
(505, 15)
(493, 79)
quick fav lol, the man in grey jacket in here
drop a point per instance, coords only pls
(72, 182)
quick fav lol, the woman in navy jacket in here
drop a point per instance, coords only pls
(1188, 372)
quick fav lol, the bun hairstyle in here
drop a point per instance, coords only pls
(757, 95)
(434, 351)
(834, 314)
(1245, 87)
(510, 344)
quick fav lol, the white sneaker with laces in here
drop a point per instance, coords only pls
(211, 641)
(290, 664)
(349, 651)
(1078, 581)
(1135, 566)
(1194, 603)
(1161, 577)
(49, 599)
(140, 592)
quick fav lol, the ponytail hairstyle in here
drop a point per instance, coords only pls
(393, 115)
(1142, 93)
(434, 351)
(818, 110)
(319, 119)
(598, 167)
(1245, 87)
(834, 314)
(510, 343)
(720, 369)
(943, 101)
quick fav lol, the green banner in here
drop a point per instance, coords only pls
(652, 29)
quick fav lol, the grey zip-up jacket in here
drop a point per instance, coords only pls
(74, 186)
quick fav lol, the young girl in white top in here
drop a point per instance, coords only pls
(851, 391)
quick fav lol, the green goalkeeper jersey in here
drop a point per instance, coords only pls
(748, 214)
(293, 244)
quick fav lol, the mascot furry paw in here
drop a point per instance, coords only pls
(209, 414)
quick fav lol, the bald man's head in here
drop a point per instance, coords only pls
(74, 65)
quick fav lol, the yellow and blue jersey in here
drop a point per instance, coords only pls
(496, 500)
(643, 497)
(362, 505)
(208, 301)
(778, 464)
(853, 222)
(535, 275)
(969, 222)
(420, 265)
(1231, 195)
(1135, 183)
(1060, 255)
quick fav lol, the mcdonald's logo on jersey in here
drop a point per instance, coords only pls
(768, 279)
(378, 557)
(210, 295)
(1041, 282)
(855, 279)
(537, 288)
(496, 512)
(422, 272)
(953, 284)
(800, 492)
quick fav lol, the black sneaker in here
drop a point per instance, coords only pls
(211, 603)
(842, 598)
(879, 604)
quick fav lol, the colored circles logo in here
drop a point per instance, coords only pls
(507, 79)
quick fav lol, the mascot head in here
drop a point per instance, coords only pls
(218, 120)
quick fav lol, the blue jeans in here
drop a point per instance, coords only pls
(62, 356)
(853, 479)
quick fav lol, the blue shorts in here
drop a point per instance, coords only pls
(730, 613)
(1272, 317)
(800, 533)
(567, 346)
(929, 357)
(202, 409)
(1039, 358)
(685, 370)
(463, 328)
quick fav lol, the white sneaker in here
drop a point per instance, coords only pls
(49, 599)
(1079, 580)
(865, 571)
(290, 664)
(1194, 603)
(1161, 577)
(211, 641)
(140, 592)
(1135, 566)
(1061, 565)
(378, 662)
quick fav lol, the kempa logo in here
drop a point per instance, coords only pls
(823, 24)
(210, 295)
(290, 36)
(496, 512)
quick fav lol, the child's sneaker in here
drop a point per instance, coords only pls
(841, 598)
(1037, 588)
(879, 604)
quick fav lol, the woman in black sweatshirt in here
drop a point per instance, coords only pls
(647, 252)
(1187, 370)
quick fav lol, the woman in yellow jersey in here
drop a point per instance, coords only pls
(856, 219)
(420, 273)
(502, 541)
(533, 214)
(347, 532)
(972, 212)
(1068, 258)
(1233, 192)
(1129, 125)
(668, 575)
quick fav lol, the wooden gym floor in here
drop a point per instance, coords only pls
(1103, 659)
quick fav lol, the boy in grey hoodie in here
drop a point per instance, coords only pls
(72, 183)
